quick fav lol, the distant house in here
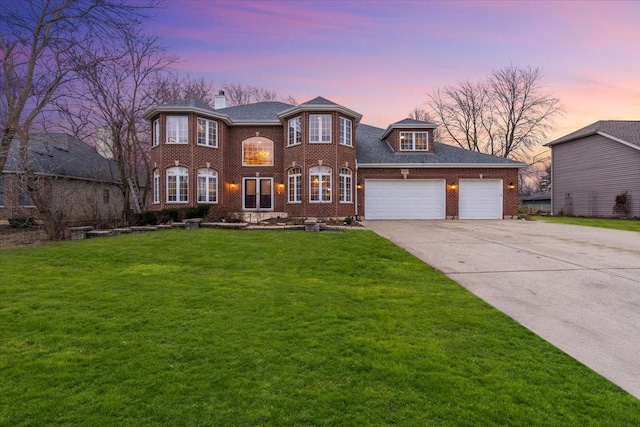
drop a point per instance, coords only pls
(317, 159)
(540, 201)
(593, 165)
(81, 185)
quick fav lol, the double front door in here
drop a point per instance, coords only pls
(257, 194)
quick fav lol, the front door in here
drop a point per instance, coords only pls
(258, 194)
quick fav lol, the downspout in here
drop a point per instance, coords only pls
(356, 179)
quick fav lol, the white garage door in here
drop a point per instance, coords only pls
(404, 199)
(480, 199)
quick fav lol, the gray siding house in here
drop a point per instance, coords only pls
(593, 165)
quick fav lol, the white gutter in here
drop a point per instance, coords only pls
(443, 165)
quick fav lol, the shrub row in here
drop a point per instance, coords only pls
(210, 213)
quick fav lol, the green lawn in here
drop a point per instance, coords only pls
(617, 224)
(252, 328)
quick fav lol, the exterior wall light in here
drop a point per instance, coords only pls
(511, 186)
(233, 185)
(359, 186)
(453, 185)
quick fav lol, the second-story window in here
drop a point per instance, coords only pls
(177, 130)
(257, 151)
(207, 132)
(156, 132)
(414, 141)
(319, 128)
(345, 131)
(295, 131)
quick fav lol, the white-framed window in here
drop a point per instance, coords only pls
(177, 130)
(295, 131)
(156, 132)
(414, 141)
(295, 185)
(345, 131)
(346, 192)
(319, 128)
(207, 186)
(156, 186)
(257, 151)
(177, 185)
(207, 132)
(320, 184)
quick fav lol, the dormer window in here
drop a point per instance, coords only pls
(319, 128)
(414, 141)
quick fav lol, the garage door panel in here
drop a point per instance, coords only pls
(480, 199)
(405, 199)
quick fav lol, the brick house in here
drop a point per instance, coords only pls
(81, 185)
(317, 160)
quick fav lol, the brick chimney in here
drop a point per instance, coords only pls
(220, 101)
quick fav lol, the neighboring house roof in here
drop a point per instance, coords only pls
(623, 131)
(62, 155)
(540, 196)
(374, 151)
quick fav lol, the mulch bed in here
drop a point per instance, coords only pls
(21, 237)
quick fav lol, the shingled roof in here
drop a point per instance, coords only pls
(624, 130)
(62, 155)
(373, 150)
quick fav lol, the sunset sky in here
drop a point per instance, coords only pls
(382, 58)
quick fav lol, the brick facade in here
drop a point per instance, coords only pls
(232, 175)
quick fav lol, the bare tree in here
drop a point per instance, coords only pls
(112, 97)
(169, 87)
(39, 42)
(238, 94)
(421, 114)
(461, 109)
(522, 113)
(505, 116)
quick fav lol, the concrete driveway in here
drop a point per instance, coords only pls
(577, 287)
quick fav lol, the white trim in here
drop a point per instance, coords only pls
(441, 165)
(441, 187)
(257, 208)
(413, 141)
(207, 128)
(341, 132)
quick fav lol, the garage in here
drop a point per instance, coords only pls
(404, 199)
(480, 199)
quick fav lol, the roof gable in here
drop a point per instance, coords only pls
(624, 131)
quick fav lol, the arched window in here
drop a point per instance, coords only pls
(207, 186)
(257, 151)
(345, 185)
(295, 185)
(177, 185)
(320, 184)
(156, 186)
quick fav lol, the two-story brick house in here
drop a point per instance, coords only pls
(317, 160)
